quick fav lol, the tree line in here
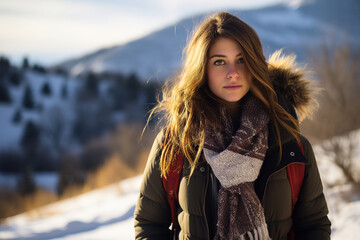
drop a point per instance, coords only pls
(99, 105)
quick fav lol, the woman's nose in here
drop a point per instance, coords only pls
(232, 71)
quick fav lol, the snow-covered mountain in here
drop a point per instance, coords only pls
(301, 27)
(108, 213)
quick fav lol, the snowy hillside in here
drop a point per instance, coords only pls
(101, 214)
(44, 105)
(67, 111)
(108, 213)
(299, 27)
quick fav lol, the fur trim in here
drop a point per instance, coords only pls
(292, 81)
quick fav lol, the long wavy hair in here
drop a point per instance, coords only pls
(187, 102)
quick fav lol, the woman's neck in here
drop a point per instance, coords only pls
(233, 108)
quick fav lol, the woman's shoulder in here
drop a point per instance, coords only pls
(307, 148)
(160, 137)
(155, 152)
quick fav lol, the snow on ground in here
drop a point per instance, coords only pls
(100, 214)
(343, 199)
(346, 224)
(108, 213)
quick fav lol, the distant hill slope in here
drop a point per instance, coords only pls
(300, 29)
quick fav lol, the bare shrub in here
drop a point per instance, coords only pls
(26, 183)
(94, 155)
(126, 142)
(119, 155)
(70, 174)
(343, 152)
(112, 171)
(338, 74)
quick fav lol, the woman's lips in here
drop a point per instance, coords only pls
(233, 87)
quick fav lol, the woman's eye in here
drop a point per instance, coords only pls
(219, 62)
(240, 60)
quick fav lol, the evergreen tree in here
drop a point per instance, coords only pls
(30, 138)
(133, 86)
(17, 116)
(28, 98)
(92, 84)
(38, 68)
(46, 89)
(26, 184)
(25, 64)
(4, 93)
(15, 78)
(4, 66)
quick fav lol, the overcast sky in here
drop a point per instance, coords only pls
(49, 31)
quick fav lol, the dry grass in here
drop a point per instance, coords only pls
(12, 203)
(113, 170)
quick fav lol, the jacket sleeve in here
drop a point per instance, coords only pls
(152, 212)
(310, 212)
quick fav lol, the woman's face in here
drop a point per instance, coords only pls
(228, 76)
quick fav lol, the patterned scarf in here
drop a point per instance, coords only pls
(236, 162)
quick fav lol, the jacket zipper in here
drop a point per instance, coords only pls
(262, 199)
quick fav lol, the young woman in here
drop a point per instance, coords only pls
(231, 114)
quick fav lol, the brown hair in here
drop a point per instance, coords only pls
(188, 102)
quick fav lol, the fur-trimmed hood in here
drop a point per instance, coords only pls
(293, 83)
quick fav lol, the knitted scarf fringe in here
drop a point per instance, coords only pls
(260, 233)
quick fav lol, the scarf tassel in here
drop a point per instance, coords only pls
(260, 233)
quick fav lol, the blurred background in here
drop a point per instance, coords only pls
(77, 79)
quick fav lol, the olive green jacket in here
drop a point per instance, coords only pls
(152, 214)
(309, 216)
